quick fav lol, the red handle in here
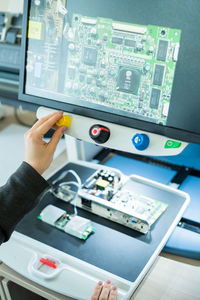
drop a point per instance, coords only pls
(48, 263)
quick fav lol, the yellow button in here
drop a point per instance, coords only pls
(64, 121)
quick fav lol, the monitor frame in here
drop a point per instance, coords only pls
(170, 132)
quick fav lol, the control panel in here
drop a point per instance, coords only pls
(118, 137)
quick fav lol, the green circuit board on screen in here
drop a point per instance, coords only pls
(125, 67)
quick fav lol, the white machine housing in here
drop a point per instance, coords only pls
(120, 137)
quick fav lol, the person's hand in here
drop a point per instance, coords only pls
(38, 153)
(104, 291)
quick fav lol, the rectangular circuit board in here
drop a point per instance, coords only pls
(123, 66)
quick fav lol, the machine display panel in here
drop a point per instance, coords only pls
(100, 60)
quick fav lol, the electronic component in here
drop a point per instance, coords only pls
(128, 80)
(151, 49)
(158, 74)
(175, 52)
(71, 72)
(165, 108)
(79, 227)
(103, 184)
(89, 56)
(139, 206)
(117, 40)
(105, 194)
(73, 225)
(129, 43)
(93, 32)
(155, 98)
(162, 50)
(88, 21)
(129, 28)
(50, 214)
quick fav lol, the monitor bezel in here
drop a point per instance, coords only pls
(166, 131)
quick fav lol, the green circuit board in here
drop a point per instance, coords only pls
(123, 66)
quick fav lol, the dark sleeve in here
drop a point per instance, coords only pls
(18, 196)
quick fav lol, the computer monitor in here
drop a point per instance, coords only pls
(128, 70)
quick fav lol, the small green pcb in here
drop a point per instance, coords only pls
(74, 225)
(123, 66)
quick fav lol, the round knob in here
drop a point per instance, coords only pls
(140, 141)
(64, 121)
(99, 133)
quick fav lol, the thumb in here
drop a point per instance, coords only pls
(56, 138)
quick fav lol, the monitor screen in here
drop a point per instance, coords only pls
(131, 62)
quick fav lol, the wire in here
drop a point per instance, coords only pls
(63, 174)
(61, 8)
(76, 195)
(77, 183)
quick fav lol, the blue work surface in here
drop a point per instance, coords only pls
(191, 185)
(190, 157)
(185, 242)
(130, 166)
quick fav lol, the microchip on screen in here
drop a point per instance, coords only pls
(128, 80)
(155, 98)
(89, 56)
(162, 50)
(158, 74)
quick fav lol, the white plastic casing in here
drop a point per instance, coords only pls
(120, 137)
(51, 214)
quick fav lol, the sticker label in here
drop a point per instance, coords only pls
(35, 30)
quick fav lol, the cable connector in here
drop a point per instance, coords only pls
(61, 8)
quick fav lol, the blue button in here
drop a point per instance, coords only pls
(140, 141)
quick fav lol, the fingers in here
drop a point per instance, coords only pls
(56, 138)
(113, 293)
(105, 291)
(44, 119)
(97, 291)
(48, 123)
